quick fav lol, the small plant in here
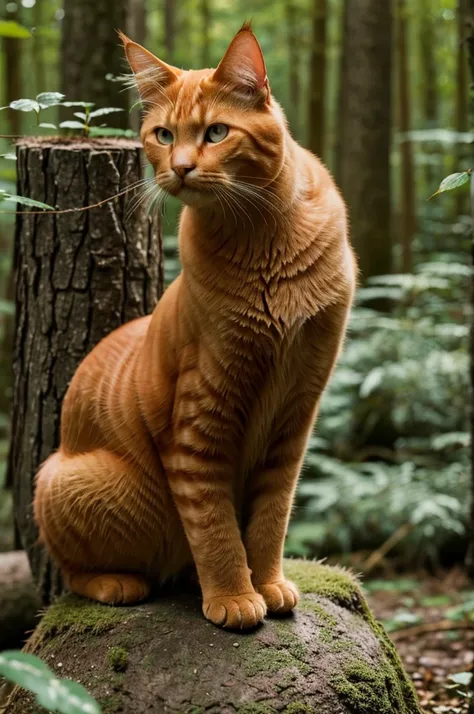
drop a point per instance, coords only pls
(55, 695)
(5, 196)
(46, 100)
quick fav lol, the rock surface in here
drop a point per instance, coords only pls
(330, 657)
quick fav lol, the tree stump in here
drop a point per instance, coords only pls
(78, 276)
(330, 657)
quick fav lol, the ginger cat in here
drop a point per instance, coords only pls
(183, 433)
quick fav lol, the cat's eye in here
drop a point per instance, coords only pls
(164, 136)
(216, 133)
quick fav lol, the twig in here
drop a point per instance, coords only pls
(440, 626)
(390, 543)
(68, 210)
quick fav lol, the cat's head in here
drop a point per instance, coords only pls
(210, 134)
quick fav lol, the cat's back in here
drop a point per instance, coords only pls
(101, 397)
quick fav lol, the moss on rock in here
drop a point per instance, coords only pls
(331, 655)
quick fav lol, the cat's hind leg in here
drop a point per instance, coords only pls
(102, 519)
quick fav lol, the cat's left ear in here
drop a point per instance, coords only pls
(151, 73)
(243, 68)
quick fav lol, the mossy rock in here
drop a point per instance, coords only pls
(330, 657)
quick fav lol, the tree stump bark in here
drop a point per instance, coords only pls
(78, 276)
(330, 657)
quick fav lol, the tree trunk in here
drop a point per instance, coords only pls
(365, 123)
(317, 80)
(170, 29)
(407, 187)
(293, 65)
(331, 657)
(89, 50)
(466, 8)
(78, 276)
(428, 87)
(462, 158)
(136, 30)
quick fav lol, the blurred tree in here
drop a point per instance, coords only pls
(205, 8)
(169, 29)
(38, 49)
(294, 85)
(317, 79)
(428, 72)
(12, 70)
(136, 21)
(407, 188)
(90, 49)
(363, 162)
(462, 111)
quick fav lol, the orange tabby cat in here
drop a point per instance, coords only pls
(183, 433)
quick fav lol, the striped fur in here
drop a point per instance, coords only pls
(183, 433)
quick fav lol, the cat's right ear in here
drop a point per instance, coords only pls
(151, 74)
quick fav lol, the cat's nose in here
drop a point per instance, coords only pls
(182, 169)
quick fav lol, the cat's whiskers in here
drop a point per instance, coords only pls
(148, 190)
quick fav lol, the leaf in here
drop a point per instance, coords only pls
(26, 201)
(10, 28)
(58, 695)
(105, 110)
(25, 105)
(462, 678)
(49, 99)
(10, 157)
(452, 181)
(81, 115)
(110, 131)
(47, 125)
(87, 105)
(71, 125)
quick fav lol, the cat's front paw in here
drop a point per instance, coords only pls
(280, 597)
(235, 612)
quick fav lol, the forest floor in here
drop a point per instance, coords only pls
(431, 621)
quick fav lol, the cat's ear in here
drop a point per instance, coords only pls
(151, 74)
(243, 68)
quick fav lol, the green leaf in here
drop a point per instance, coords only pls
(25, 201)
(105, 110)
(81, 115)
(453, 181)
(25, 105)
(58, 695)
(462, 678)
(71, 125)
(10, 28)
(10, 157)
(110, 131)
(49, 99)
(47, 125)
(87, 105)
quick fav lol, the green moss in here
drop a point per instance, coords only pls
(194, 710)
(318, 610)
(333, 583)
(298, 708)
(291, 642)
(77, 615)
(117, 658)
(366, 689)
(112, 704)
(256, 708)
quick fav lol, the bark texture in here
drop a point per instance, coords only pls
(19, 601)
(90, 49)
(317, 80)
(331, 657)
(294, 72)
(365, 125)
(78, 277)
